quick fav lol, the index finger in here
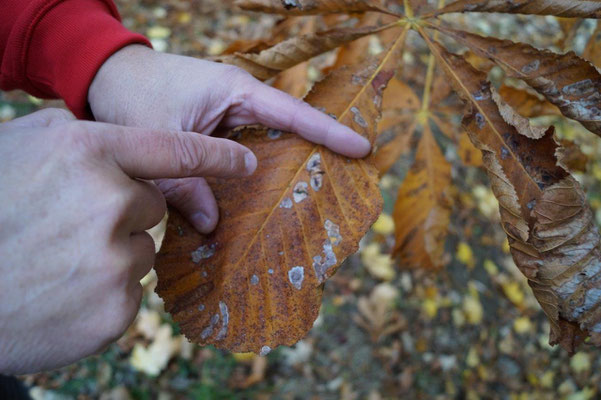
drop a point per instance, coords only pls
(155, 154)
(276, 109)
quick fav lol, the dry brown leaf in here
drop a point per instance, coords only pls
(358, 50)
(421, 213)
(572, 156)
(295, 80)
(468, 153)
(592, 52)
(311, 7)
(398, 143)
(550, 227)
(255, 283)
(521, 123)
(400, 96)
(559, 8)
(527, 104)
(567, 81)
(287, 54)
(569, 27)
(396, 127)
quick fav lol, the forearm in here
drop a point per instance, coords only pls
(54, 48)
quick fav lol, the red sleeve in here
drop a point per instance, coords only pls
(53, 48)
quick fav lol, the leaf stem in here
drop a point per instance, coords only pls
(408, 9)
(430, 74)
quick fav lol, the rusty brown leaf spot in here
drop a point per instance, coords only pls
(311, 7)
(269, 62)
(255, 283)
(422, 212)
(560, 8)
(566, 80)
(550, 227)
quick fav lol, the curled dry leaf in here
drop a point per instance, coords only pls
(566, 80)
(295, 81)
(256, 282)
(527, 104)
(422, 212)
(287, 54)
(311, 7)
(560, 8)
(550, 227)
(510, 116)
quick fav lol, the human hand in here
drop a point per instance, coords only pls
(72, 228)
(140, 87)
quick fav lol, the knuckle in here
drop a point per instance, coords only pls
(180, 192)
(76, 137)
(189, 154)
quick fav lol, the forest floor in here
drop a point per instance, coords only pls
(472, 330)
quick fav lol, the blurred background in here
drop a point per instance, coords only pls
(471, 330)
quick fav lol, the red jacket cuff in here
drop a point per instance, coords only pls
(62, 44)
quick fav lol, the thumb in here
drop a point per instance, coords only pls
(149, 154)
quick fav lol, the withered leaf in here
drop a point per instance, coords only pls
(287, 54)
(560, 8)
(566, 80)
(422, 212)
(311, 7)
(255, 283)
(525, 103)
(396, 127)
(394, 143)
(358, 50)
(550, 227)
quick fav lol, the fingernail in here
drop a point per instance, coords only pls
(250, 163)
(201, 222)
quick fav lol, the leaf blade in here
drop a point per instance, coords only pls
(283, 231)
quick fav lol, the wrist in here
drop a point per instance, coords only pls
(115, 84)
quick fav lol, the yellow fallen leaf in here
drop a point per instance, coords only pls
(546, 380)
(148, 323)
(465, 255)
(472, 358)
(153, 359)
(522, 325)
(384, 225)
(514, 293)
(580, 362)
(244, 357)
(158, 32)
(472, 309)
(378, 265)
(491, 267)
(430, 308)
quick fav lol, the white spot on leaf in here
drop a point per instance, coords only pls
(300, 192)
(296, 275)
(264, 351)
(203, 252)
(286, 203)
